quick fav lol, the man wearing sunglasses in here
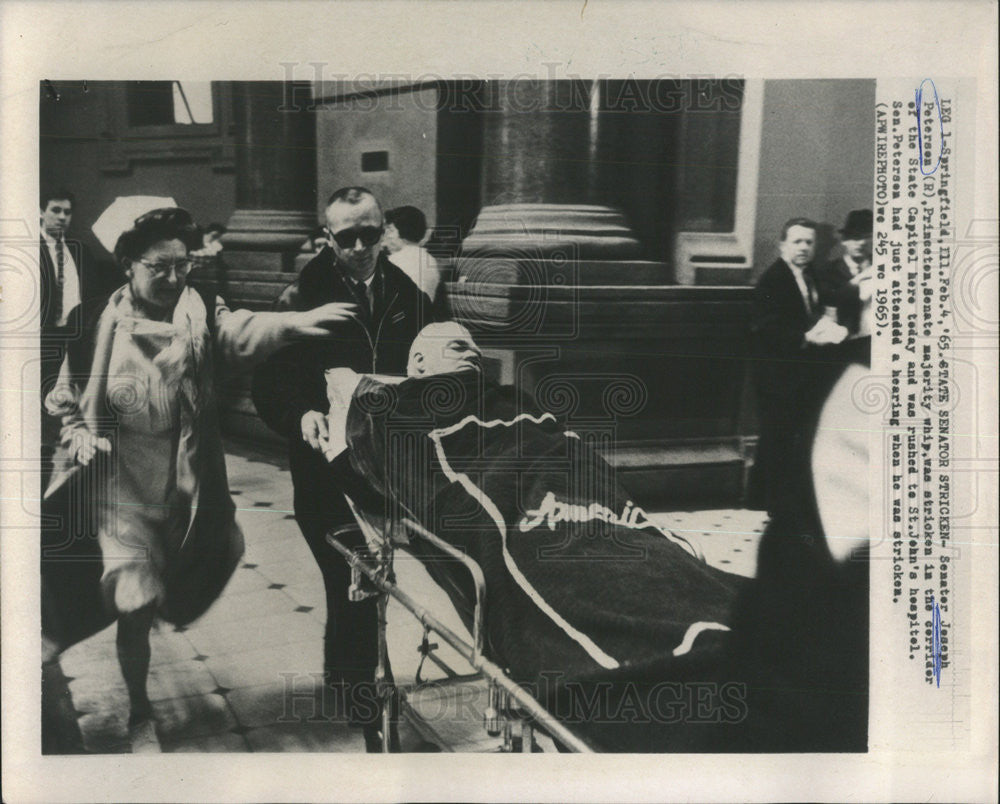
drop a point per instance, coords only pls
(289, 391)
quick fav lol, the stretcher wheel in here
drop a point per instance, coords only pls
(492, 719)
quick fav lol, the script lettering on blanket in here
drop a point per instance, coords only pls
(552, 511)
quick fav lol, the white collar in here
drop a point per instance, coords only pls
(50, 240)
(351, 281)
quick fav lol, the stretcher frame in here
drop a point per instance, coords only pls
(511, 710)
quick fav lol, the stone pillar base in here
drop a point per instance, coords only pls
(580, 231)
(268, 229)
(560, 295)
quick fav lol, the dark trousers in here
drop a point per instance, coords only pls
(52, 350)
(801, 646)
(788, 409)
(350, 648)
(60, 729)
(779, 479)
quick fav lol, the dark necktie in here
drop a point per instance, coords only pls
(361, 291)
(60, 278)
(811, 288)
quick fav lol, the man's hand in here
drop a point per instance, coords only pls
(84, 445)
(318, 321)
(826, 333)
(315, 431)
(862, 275)
(864, 280)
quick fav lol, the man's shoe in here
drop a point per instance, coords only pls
(373, 739)
(142, 736)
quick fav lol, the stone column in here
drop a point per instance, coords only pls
(555, 284)
(537, 143)
(275, 176)
(541, 193)
(275, 212)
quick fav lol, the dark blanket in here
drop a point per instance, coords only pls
(614, 623)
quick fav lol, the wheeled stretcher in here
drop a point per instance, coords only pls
(511, 712)
(592, 607)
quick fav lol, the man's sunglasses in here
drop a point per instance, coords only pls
(368, 235)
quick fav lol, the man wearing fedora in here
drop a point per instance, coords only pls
(845, 283)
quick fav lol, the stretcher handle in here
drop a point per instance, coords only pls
(478, 579)
(488, 668)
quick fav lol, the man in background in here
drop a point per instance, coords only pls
(789, 335)
(211, 240)
(840, 282)
(68, 273)
(405, 229)
(316, 241)
(846, 283)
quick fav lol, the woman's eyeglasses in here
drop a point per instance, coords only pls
(158, 269)
(368, 235)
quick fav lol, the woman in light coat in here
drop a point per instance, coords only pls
(138, 388)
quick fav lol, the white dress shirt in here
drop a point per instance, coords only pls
(71, 278)
(800, 280)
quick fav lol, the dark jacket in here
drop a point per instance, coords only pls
(784, 378)
(291, 382)
(97, 279)
(778, 323)
(833, 281)
(791, 378)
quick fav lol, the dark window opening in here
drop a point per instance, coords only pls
(374, 161)
(169, 103)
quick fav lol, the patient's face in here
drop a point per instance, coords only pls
(444, 348)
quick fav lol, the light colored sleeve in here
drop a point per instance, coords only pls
(341, 384)
(243, 339)
(430, 274)
(63, 402)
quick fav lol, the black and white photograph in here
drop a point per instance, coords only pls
(415, 408)
(569, 281)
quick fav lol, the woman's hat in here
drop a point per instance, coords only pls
(858, 225)
(122, 214)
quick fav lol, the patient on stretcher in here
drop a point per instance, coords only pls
(585, 595)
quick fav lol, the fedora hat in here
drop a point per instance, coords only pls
(858, 225)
